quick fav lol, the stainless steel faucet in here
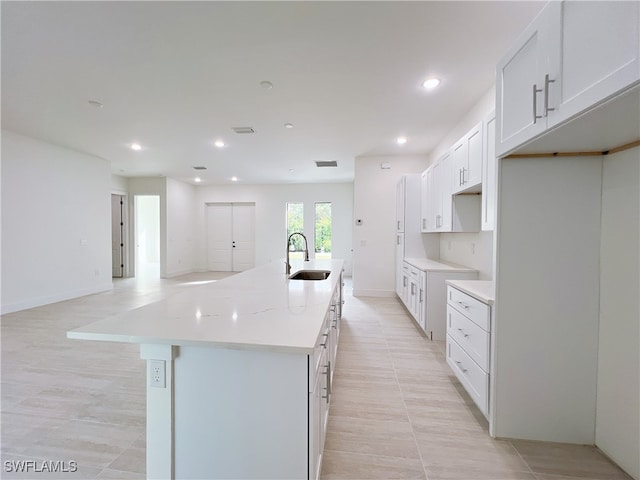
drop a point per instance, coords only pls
(306, 251)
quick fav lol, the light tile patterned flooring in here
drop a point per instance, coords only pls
(397, 411)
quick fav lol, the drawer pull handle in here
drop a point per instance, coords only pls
(326, 338)
(464, 370)
(462, 332)
(463, 305)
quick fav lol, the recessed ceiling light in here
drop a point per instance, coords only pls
(136, 147)
(288, 125)
(95, 103)
(219, 143)
(401, 140)
(234, 179)
(430, 83)
(197, 179)
(267, 85)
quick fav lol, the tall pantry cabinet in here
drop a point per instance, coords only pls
(565, 346)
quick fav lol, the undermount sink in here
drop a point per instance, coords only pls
(310, 275)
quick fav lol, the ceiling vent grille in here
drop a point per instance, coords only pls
(200, 168)
(243, 130)
(331, 163)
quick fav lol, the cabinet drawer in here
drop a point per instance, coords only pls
(471, 376)
(475, 310)
(473, 339)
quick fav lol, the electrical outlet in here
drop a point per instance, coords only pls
(157, 373)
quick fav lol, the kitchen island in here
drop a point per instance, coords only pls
(238, 372)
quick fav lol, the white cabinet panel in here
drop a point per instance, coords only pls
(467, 161)
(573, 56)
(400, 204)
(599, 45)
(519, 78)
(473, 378)
(489, 174)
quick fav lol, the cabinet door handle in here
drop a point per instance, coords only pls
(547, 109)
(326, 338)
(398, 225)
(536, 90)
(421, 295)
(424, 224)
(463, 305)
(327, 372)
(463, 176)
(465, 335)
(404, 281)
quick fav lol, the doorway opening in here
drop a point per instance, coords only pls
(147, 236)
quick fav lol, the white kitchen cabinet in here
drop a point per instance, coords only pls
(467, 161)
(426, 201)
(399, 260)
(321, 370)
(442, 201)
(410, 288)
(441, 210)
(573, 56)
(600, 45)
(428, 307)
(468, 343)
(489, 174)
(400, 203)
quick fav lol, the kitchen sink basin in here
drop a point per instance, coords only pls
(310, 275)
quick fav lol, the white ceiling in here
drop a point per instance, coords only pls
(175, 76)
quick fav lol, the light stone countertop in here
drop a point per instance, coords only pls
(483, 290)
(257, 309)
(435, 266)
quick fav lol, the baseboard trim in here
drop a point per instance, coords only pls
(49, 299)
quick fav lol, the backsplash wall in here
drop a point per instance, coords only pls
(473, 250)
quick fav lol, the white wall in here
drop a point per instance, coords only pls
(473, 250)
(181, 227)
(375, 203)
(271, 232)
(618, 398)
(119, 184)
(56, 223)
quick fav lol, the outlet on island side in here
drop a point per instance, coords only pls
(157, 373)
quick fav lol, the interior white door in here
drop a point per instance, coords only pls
(230, 237)
(117, 235)
(243, 248)
(219, 237)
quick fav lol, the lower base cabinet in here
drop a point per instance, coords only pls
(469, 343)
(424, 295)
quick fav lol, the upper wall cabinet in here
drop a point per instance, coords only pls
(467, 162)
(573, 56)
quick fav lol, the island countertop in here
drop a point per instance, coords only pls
(256, 309)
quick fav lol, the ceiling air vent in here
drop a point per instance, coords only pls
(200, 168)
(243, 130)
(332, 163)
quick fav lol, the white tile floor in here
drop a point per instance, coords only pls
(397, 411)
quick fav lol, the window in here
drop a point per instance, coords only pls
(295, 223)
(323, 230)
